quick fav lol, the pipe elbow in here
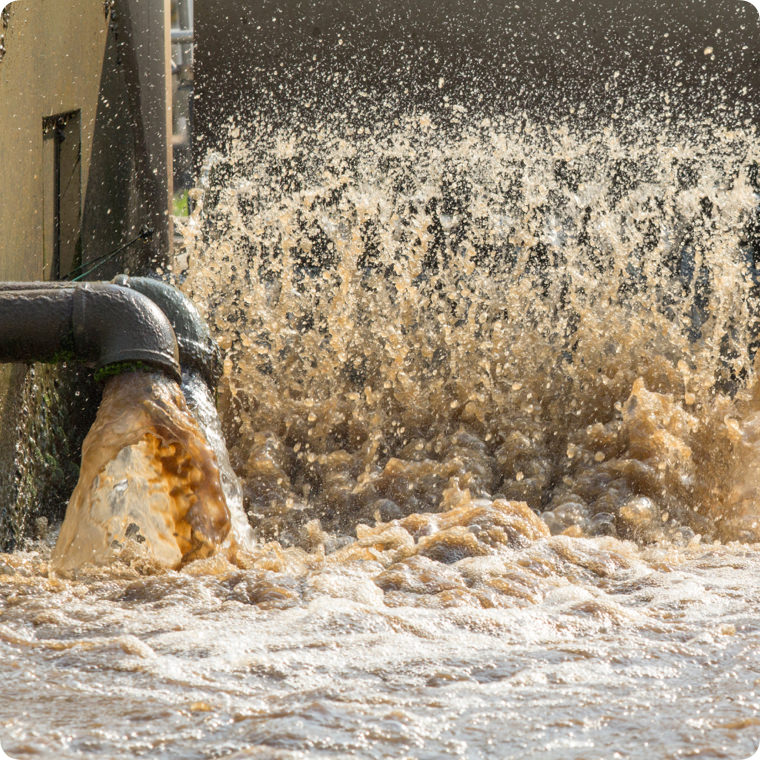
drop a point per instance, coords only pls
(100, 324)
(197, 349)
(114, 325)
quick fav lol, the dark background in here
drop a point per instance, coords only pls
(370, 60)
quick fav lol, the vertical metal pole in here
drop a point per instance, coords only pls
(57, 140)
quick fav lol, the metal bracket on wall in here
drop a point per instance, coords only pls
(62, 193)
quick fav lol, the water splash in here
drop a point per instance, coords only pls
(520, 310)
(201, 403)
(463, 370)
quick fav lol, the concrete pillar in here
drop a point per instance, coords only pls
(105, 67)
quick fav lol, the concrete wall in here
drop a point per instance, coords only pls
(52, 64)
(108, 61)
(112, 67)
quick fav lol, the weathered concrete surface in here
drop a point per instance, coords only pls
(52, 65)
(130, 177)
(109, 61)
(113, 68)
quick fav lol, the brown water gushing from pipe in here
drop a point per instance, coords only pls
(495, 313)
(149, 489)
(441, 349)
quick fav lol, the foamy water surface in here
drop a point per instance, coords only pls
(491, 397)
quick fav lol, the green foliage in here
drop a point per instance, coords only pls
(49, 431)
(181, 204)
(119, 368)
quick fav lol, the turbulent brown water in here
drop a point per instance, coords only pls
(563, 319)
(490, 393)
(149, 488)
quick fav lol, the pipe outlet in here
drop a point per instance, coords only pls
(197, 349)
(100, 324)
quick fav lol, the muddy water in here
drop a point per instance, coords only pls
(565, 648)
(149, 489)
(491, 397)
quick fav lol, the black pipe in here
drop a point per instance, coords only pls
(98, 323)
(197, 349)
